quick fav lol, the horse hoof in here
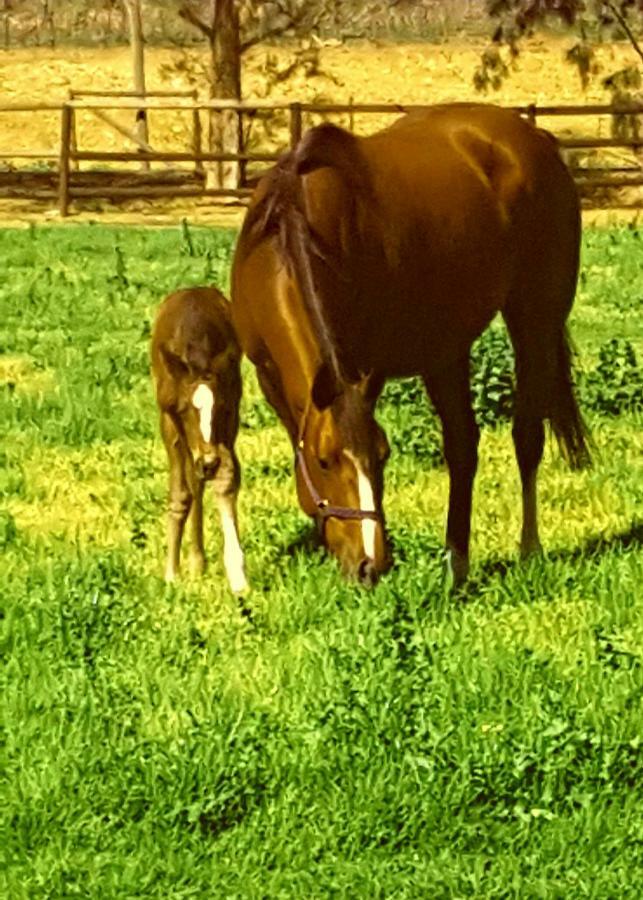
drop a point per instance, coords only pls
(239, 586)
(457, 569)
(197, 566)
(531, 548)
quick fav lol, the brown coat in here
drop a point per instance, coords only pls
(196, 371)
(367, 258)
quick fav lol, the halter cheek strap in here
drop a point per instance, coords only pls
(324, 508)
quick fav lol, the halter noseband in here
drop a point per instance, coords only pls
(324, 509)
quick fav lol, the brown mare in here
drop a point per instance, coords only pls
(363, 259)
(195, 365)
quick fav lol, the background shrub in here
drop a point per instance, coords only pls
(412, 425)
(492, 377)
(615, 385)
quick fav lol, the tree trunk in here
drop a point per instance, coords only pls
(6, 25)
(48, 22)
(137, 43)
(225, 84)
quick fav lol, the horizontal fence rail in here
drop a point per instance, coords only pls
(66, 182)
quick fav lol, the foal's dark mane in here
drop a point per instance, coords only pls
(280, 213)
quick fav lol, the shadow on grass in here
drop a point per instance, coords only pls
(308, 539)
(597, 546)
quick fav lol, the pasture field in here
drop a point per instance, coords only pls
(161, 742)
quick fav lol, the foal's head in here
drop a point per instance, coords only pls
(341, 456)
(203, 393)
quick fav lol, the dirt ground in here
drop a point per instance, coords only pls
(404, 73)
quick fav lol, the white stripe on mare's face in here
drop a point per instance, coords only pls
(367, 503)
(203, 401)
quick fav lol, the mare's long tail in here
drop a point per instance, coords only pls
(565, 416)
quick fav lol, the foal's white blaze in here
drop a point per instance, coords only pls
(203, 401)
(367, 503)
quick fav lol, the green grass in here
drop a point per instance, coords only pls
(398, 743)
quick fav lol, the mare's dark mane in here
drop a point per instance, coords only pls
(280, 213)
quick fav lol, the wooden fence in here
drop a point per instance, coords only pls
(67, 182)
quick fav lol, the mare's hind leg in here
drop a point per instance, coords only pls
(535, 380)
(529, 439)
(226, 489)
(451, 396)
(180, 496)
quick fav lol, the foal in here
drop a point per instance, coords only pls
(195, 366)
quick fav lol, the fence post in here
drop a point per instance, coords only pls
(295, 124)
(197, 137)
(243, 163)
(531, 113)
(63, 169)
(73, 140)
(351, 116)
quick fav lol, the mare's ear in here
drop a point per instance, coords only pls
(174, 364)
(326, 387)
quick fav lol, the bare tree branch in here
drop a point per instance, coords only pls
(622, 21)
(293, 21)
(188, 15)
(275, 31)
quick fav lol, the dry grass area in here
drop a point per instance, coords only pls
(404, 73)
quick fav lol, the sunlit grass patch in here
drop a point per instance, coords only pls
(557, 630)
(76, 494)
(19, 373)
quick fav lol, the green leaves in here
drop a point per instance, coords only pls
(492, 377)
(410, 424)
(615, 384)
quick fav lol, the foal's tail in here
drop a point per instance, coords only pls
(565, 416)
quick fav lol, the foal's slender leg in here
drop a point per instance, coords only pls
(180, 496)
(451, 396)
(226, 489)
(197, 552)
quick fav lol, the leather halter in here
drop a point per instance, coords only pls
(324, 509)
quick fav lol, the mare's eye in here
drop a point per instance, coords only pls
(324, 464)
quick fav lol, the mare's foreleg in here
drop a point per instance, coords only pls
(226, 489)
(451, 396)
(180, 496)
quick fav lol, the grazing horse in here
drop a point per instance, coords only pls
(195, 366)
(362, 259)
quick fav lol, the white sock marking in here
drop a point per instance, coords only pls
(203, 401)
(233, 559)
(367, 503)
